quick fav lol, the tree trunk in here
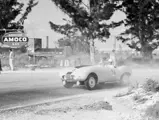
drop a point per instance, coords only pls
(146, 53)
(92, 52)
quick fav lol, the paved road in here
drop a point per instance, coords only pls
(26, 87)
(23, 88)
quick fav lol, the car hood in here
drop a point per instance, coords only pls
(84, 68)
(77, 67)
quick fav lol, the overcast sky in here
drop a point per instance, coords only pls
(37, 24)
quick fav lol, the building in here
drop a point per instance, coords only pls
(34, 44)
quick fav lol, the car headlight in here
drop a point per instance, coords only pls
(64, 77)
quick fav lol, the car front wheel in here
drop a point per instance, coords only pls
(91, 82)
(67, 84)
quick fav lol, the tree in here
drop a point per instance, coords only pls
(9, 11)
(142, 22)
(77, 44)
(90, 19)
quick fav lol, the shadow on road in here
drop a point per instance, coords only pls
(100, 87)
(20, 97)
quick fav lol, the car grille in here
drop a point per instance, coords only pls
(68, 76)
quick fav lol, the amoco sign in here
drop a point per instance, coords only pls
(15, 39)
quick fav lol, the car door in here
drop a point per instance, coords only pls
(104, 74)
(113, 72)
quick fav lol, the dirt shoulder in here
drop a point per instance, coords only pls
(97, 106)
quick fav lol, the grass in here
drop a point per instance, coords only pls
(136, 97)
(151, 85)
(20, 60)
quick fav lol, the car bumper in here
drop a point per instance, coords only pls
(71, 80)
(75, 81)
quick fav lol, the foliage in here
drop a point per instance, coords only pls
(9, 11)
(142, 24)
(88, 19)
(136, 97)
(151, 85)
(23, 49)
(20, 60)
(77, 44)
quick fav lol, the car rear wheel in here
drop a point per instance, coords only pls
(91, 82)
(67, 84)
(125, 79)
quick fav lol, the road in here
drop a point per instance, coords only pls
(23, 88)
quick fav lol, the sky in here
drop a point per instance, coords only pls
(37, 24)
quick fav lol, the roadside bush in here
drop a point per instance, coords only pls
(46, 62)
(23, 49)
(151, 85)
(19, 62)
(152, 111)
(136, 97)
(82, 58)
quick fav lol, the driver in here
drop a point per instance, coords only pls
(104, 61)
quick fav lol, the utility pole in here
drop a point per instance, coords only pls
(47, 42)
(114, 45)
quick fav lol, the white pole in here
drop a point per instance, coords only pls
(114, 43)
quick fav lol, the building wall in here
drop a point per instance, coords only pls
(34, 43)
(51, 43)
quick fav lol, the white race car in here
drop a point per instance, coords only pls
(91, 75)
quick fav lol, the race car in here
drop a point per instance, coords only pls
(91, 75)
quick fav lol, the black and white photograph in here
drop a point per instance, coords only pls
(79, 60)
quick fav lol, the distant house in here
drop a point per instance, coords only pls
(34, 44)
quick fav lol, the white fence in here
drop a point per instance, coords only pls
(69, 63)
